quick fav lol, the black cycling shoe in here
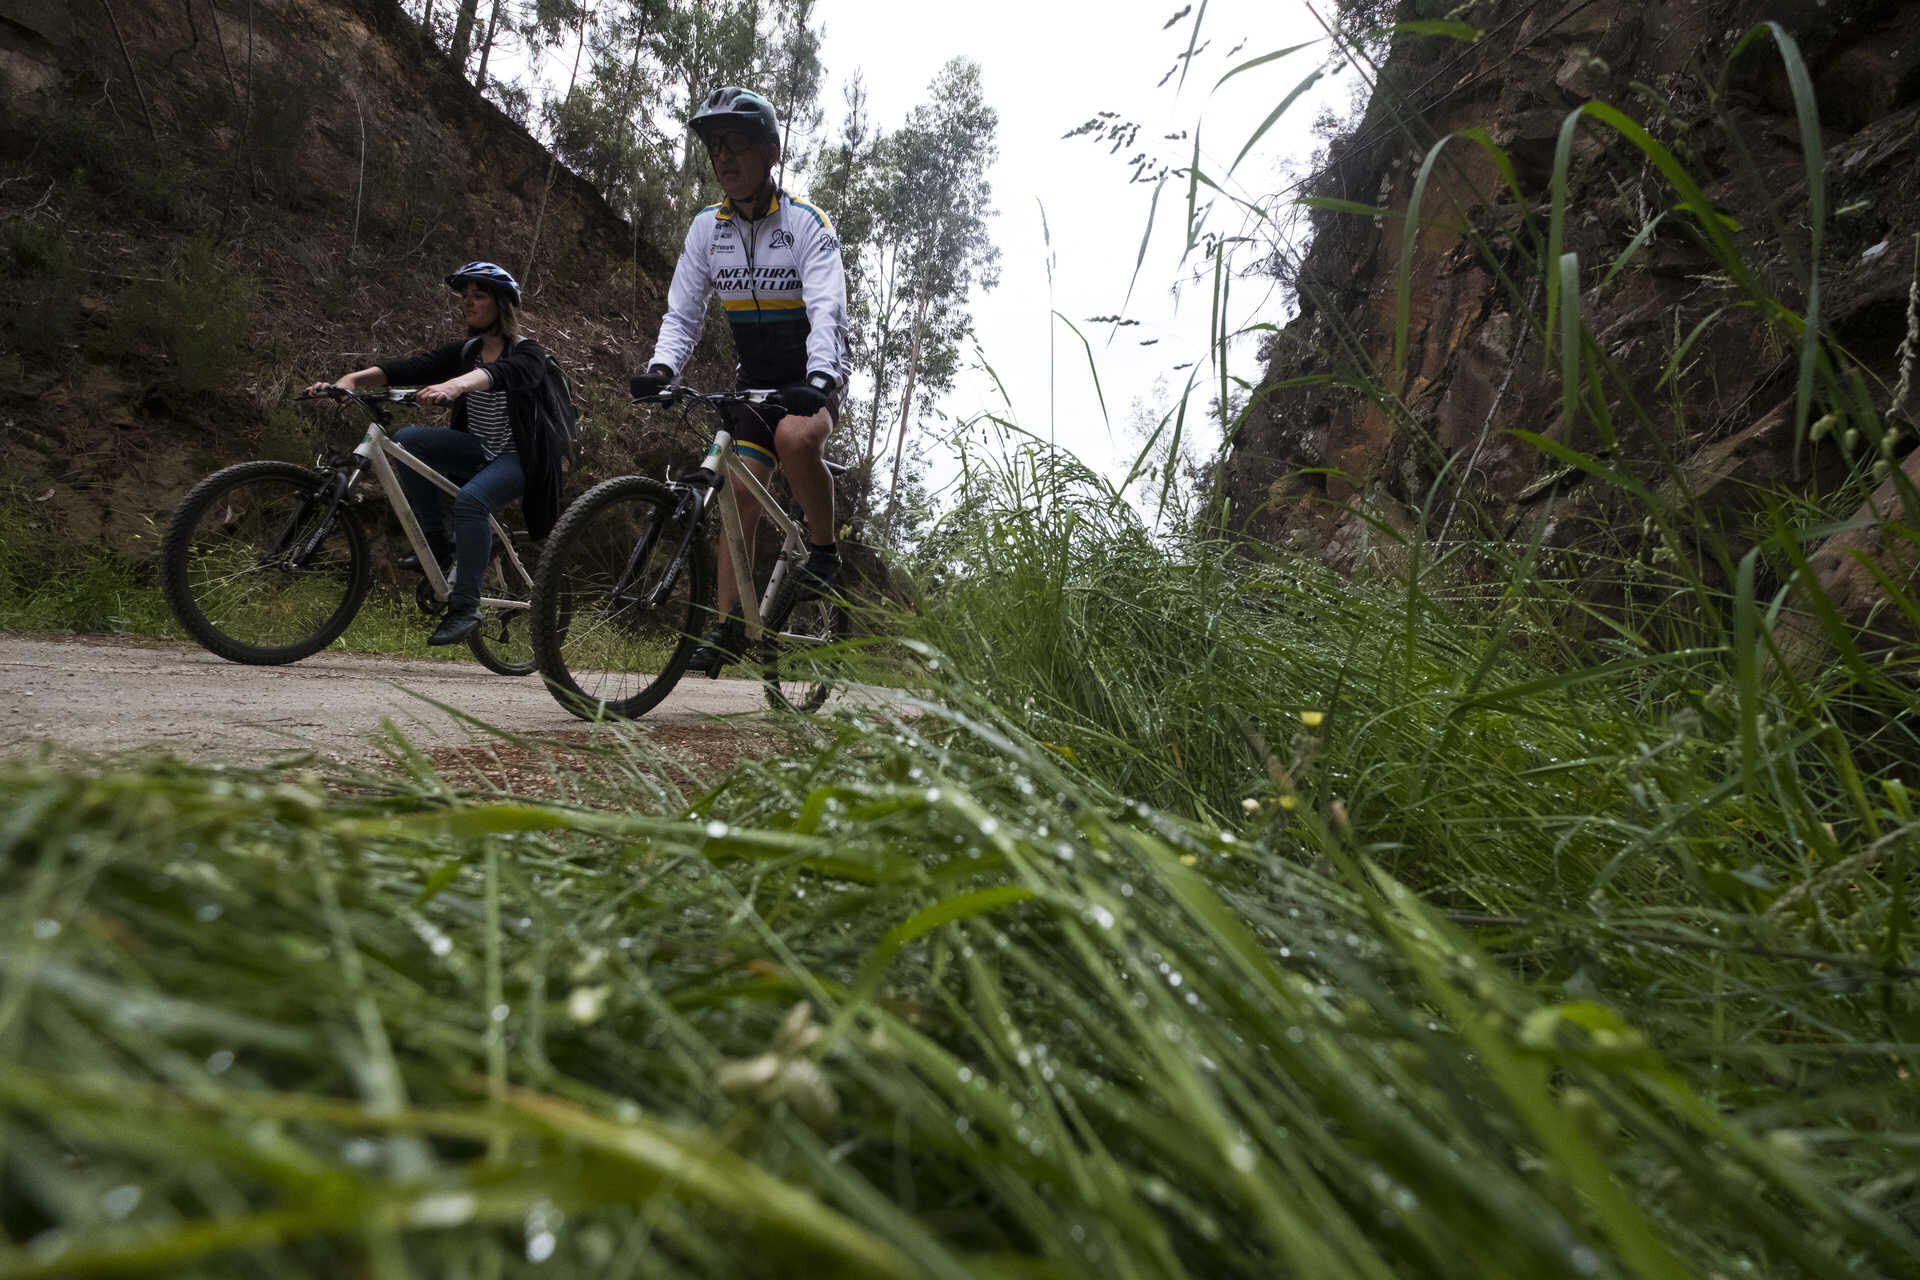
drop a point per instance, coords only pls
(456, 626)
(819, 575)
(720, 646)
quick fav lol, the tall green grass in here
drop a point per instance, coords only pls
(1199, 913)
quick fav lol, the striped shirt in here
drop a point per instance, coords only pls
(487, 420)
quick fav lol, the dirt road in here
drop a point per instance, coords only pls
(97, 695)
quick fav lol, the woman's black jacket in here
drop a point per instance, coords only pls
(519, 372)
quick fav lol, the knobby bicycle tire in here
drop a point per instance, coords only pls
(504, 641)
(795, 677)
(252, 573)
(603, 656)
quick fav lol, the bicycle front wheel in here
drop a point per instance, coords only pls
(262, 566)
(504, 642)
(612, 635)
(797, 660)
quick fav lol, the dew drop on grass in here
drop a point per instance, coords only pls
(440, 945)
(207, 912)
(360, 1152)
(1102, 917)
(44, 929)
(716, 830)
(499, 1013)
(219, 1060)
(541, 1247)
(964, 1074)
(445, 1209)
(47, 1247)
(120, 1201)
(1240, 1156)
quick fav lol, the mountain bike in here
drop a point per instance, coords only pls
(626, 585)
(266, 562)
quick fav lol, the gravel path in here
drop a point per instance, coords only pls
(102, 695)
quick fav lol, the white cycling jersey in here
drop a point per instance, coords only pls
(781, 283)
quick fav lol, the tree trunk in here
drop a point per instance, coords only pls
(463, 33)
(906, 413)
(486, 46)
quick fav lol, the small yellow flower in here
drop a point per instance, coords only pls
(1313, 719)
(1289, 803)
(1188, 859)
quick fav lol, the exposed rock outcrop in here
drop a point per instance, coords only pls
(1429, 450)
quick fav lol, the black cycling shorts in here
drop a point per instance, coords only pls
(752, 426)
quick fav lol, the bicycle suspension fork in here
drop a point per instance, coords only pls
(689, 511)
(339, 483)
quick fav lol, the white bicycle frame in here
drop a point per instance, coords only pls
(376, 448)
(724, 463)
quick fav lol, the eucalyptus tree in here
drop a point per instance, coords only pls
(913, 207)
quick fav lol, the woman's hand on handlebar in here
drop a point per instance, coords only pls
(440, 393)
(322, 389)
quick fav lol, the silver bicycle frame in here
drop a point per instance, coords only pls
(793, 547)
(376, 448)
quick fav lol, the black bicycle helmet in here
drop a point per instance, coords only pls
(488, 276)
(737, 108)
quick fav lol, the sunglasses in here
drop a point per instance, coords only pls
(731, 145)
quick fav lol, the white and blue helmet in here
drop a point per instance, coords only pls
(489, 276)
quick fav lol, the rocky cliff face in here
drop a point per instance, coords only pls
(1429, 451)
(204, 205)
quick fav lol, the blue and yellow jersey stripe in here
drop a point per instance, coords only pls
(818, 216)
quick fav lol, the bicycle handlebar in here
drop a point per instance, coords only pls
(675, 394)
(334, 391)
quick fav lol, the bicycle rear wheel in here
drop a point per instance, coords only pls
(799, 675)
(504, 642)
(261, 566)
(604, 648)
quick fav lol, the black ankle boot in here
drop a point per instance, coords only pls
(456, 626)
(721, 646)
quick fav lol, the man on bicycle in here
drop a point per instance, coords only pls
(774, 261)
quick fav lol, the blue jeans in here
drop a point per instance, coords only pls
(485, 487)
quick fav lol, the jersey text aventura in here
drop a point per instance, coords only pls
(780, 281)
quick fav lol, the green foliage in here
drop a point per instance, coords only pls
(202, 317)
(1146, 938)
(43, 308)
(47, 584)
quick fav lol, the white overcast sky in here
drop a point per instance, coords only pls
(1047, 66)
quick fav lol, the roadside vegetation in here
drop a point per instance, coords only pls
(1202, 912)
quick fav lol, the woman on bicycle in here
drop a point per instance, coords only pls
(490, 378)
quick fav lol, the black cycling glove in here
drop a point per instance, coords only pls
(804, 399)
(645, 386)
